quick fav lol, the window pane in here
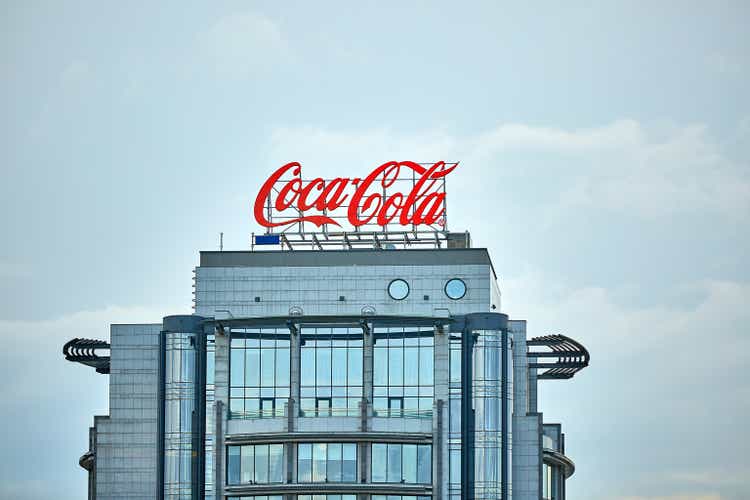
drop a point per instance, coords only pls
(282, 367)
(238, 368)
(261, 463)
(455, 466)
(355, 366)
(380, 366)
(350, 463)
(411, 366)
(233, 467)
(394, 463)
(276, 463)
(248, 464)
(410, 463)
(319, 462)
(339, 367)
(455, 365)
(304, 463)
(307, 366)
(426, 368)
(333, 473)
(424, 464)
(396, 367)
(323, 367)
(267, 367)
(252, 367)
(379, 461)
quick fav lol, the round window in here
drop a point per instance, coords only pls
(455, 289)
(398, 289)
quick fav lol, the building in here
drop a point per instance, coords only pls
(331, 374)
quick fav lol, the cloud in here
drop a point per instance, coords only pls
(623, 167)
(242, 45)
(666, 389)
(52, 401)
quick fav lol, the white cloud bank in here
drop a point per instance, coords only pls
(622, 166)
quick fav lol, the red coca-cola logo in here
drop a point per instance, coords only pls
(366, 200)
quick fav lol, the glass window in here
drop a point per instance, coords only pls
(455, 289)
(259, 362)
(398, 289)
(304, 463)
(379, 461)
(331, 366)
(255, 464)
(401, 463)
(327, 497)
(319, 462)
(327, 462)
(403, 367)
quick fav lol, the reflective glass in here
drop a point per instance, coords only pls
(394, 463)
(233, 467)
(409, 460)
(261, 463)
(319, 462)
(304, 463)
(379, 461)
(398, 289)
(260, 365)
(455, 289)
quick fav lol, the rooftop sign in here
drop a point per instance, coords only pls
(397, 195)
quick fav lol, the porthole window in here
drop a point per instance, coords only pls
(398, 289)
(455, 289)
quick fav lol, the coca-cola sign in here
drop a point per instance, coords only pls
(405, 193)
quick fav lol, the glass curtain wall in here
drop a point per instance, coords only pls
(403, 373)
(210, 392)
(331, 371)
(328, 497)
(327, 463)
(179, 403)
(259, 373)
(255, 464)
(401, 463)
(454, 431)
(488, 379)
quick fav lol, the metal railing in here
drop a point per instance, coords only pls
(402, 413)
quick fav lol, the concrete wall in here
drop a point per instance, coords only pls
(126, 451)
(317, 290)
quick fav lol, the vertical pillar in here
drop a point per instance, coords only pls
(441, 379)
(221, 397)
(367, 371)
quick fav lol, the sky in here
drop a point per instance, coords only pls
(605, 164)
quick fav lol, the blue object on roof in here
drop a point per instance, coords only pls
(267, 239)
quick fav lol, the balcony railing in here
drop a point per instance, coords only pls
(402, 413)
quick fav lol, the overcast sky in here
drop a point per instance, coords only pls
(605, 163)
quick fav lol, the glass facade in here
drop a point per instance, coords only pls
(261, 497)
(326, 497)
(210, 416)
(403, 372)
(487, 384)
(454, 419)
(259, 373)
(400, 497)
(179, 403)
(255, 464)
(331, 371)
(327, 463)
(401, 463)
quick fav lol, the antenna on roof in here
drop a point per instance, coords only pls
(221, 242)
